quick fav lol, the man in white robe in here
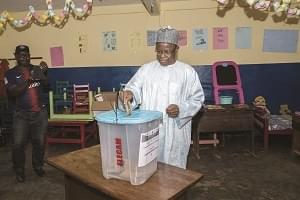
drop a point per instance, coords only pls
(173, 88)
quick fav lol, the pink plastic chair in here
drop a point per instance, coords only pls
(226, 76)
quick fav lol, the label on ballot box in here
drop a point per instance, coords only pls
(129, 144)
(148, 147)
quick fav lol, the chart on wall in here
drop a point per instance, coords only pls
(82, 43)
(285, 41)
(57, 56)
(243, 37)
(135, 41)
(199, 38)
(220, 38)
(151, 38)
(182, 37)
(109, 40)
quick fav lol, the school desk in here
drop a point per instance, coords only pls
(221, 119)
(70, 131)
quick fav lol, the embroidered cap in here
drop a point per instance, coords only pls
(22, 48)
(167, 35)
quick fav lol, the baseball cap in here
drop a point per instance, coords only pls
(22, 48)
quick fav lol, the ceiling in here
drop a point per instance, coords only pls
(22, 5)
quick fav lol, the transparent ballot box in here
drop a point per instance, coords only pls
(129, 144)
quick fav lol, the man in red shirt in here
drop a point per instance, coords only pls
(27, 84)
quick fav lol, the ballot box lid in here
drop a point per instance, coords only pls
(136, 117)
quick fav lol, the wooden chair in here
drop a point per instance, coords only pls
(81, 98)
(63, 96)
(270, 124)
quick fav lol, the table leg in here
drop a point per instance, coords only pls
(252, 142)
(196, 144)
(82, 135)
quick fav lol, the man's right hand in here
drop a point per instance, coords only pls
(29, 81)
(126, 96)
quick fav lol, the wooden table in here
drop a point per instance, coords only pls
(223, 118)
(296, 133)
(84, 179)
(85, 128)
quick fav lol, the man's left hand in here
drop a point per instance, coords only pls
(172, 110)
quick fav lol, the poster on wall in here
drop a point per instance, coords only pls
(57, 56)
(199, 38)
(135, 41)
(109, 41)
(182, 38)
(243, 37)
(285, 41)
(220, 38)
(151, 38)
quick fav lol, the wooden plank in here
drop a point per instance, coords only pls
(32, 58)
(168, 182)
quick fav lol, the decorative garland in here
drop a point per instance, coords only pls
(279, 6)
(48, 17)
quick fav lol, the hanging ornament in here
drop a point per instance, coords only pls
(279, 6)
(48, 17)
(252, 2)
(262, 5)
